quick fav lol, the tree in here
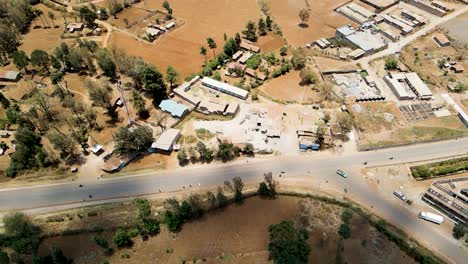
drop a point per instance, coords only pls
(206, 154)
(23, 235)
(212, 45)
(21, 60)
(136, 141)
(288, 244)
(182, 156)
(269, 22)
(298, 59)
(62, 143)
(203, 52)
(459, 231)
(4, 259)
(154, 83)
(391, 64)
(143, 207)
(326, 91)
(221, 197)
(40, 58)
(88, 15)
(52, 17)
(103, 15)
(304, 16)
(106, 63)
(284, 51)
(166, 6)
(307, 76)
(101, 241)
(248, 149)
(345, 231)
(114, 7)
(4, 101)
(172, 75)
(345, 122)
(226, 151)
(42, 103)
(262, 27)
(230, 47)
(173, 221)
(56, 76)
(250, 32)
(121, 238)
(236, 187)
(139, 104)
(100, 95)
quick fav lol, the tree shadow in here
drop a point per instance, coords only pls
(303, 25)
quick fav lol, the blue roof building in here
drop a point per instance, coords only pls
(174, 108)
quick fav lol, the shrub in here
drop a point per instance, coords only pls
(346, 215)
(345, 231)
(253, 62)
(100, 241)
(390, 63)
(121, 238)
(152, 226)
(459, 231)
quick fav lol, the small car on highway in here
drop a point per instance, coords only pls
(342, 173)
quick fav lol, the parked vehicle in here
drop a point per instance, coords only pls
(400, 195)
(342, 173)
(434, 218)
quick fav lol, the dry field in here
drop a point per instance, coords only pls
(203, 19)
(43, 38)
(132, 15)
(286, 88)
(375, 131)
(228, 236)
(322, 23)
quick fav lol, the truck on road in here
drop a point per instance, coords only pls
(435, 218)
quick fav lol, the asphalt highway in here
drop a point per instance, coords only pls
(322, 167)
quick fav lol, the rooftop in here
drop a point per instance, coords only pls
(345, 30)
(176, 109)
(9, 75)
(166, 139)
(224, 87)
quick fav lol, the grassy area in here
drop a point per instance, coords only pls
(439, 169)
(204, 134)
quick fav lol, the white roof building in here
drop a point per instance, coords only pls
(166, 140)
(225, 88)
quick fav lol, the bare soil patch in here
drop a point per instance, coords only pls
(181, 47)
(322, 23)
(286, 88)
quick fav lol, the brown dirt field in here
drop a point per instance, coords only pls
(270, 42)
(327, 64)
(43, 38)
(181, 47)
(322, 23)
(286, 88)
(132, 14)
(228, 236)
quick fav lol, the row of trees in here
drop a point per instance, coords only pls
(226, 151)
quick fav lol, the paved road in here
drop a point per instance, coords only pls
(321, 167)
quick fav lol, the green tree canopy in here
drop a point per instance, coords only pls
(288, 245)
(20, 59)
(136, 141)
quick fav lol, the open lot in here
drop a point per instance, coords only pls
(228, 236)
(382, 124)
(423, 57)
(322, 23)
(457, 27)
(287, 88)
(181, 47)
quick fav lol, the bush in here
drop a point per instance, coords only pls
(287, 244)
(152, 226)
(345, 231)
(253, 62)
(121, 238)
(459, 231)
(100, 241)
(346, 215)
(4, 259)
(173, 221)
(390, 64)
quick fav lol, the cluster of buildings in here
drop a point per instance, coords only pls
(356, 13)
(155, 30)
(354, 85)
(437, 8)
(366, 40)
(408, 86)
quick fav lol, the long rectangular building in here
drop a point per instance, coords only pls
(428, 7)
(225, 88)
(407, 86)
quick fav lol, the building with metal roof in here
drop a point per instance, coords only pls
(407, 86)
(176, 109)
(166, 140)
(364, 39)
(441, 39)
(461, 114)
(225, 88)
(9, 76)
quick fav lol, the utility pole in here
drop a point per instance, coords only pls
(122, 97)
